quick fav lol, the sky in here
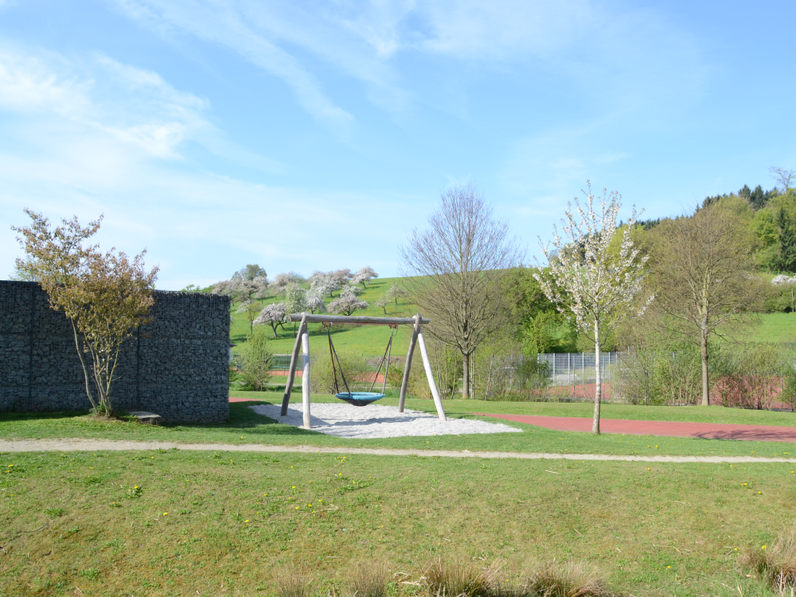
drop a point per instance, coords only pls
(307, 136)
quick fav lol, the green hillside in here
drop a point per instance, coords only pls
(369, 340)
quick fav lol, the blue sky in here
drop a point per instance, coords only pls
(317, 135)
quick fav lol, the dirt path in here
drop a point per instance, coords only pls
(765, 433)
(88, 445)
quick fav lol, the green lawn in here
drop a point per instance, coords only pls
(247, 427)
(776, 327)
(222, 523)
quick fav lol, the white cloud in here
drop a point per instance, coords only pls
(228, 25)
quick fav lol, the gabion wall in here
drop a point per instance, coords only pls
(177, 366)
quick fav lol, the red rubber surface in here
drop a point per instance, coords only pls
(663, 428)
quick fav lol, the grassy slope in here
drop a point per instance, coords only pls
(776, 327)
(369, 340)
(219, 523)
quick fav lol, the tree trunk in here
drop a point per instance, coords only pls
(705, 379)
(465, 376)
(595, 425)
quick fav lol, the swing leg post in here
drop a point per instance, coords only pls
(430, 375)
(291, 374)
(407, 368)
(305, 379)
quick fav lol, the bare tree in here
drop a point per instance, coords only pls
(783, 177)
(705, 276)
(105, 296)
(458, 263)
(591, 284)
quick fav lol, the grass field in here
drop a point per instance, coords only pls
(246, 427)
(776, 327)
(220, 523)
(173, 522)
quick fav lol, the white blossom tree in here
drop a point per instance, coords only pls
(323, 283)
(281, 282)
(394, 292)
(274, 315)
(295, 299)
(592, 285)
(350, 291)
(315, 302)
(347, 304)
(364, 275)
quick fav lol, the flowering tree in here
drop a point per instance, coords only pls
(281, 282)
(350, 291)
(274, 315)
(104, 296)
(323, 283)
(315, 303)
(591, 284)
(347, 304)
(364, 275)
(295, 299)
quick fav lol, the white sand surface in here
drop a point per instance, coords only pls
(345, 420)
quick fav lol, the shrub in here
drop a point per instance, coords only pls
(658, 376)
(748, 375)
(788, 395)
(775, 563)
(355, 371)
(255, 358)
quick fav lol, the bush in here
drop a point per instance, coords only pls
(355, 371)
(255, 361)
(748, 375)
(660, 376)
(788, 395)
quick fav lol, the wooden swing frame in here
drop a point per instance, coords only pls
(303, 343)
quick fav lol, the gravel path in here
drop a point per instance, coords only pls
(89, 445)
(376, 421)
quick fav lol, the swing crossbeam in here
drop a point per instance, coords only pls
(302, 344)
(323, 318)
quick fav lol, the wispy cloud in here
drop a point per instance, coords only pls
(227, 25)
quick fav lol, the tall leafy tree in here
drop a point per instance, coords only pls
(704, 275)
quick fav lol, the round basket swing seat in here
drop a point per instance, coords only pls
(359, 398)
